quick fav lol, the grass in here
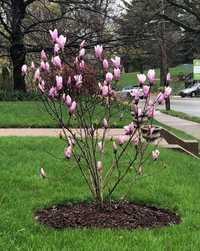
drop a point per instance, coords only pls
(129, 79)
(182, 115)
(22, 192)
(34, 115)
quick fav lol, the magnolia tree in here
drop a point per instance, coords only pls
(69, 100)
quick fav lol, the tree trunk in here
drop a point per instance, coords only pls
(17, 49)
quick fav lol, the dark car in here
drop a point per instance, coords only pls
(192, 91)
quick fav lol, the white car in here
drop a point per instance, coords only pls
(130, 91)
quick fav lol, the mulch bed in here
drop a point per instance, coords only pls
(126, 215)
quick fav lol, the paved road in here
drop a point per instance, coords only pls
(191, 106)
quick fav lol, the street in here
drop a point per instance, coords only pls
(190, 106)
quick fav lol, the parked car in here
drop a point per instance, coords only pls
(192, 91)
(129, 91)
(188, 79)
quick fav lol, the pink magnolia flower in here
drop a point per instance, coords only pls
(61, 41)
(155, 154)
(135, 94)
(82, 44)
(109, 76)
(42, 173)
(129, 129)
(168, 77)
(57, 61)
(37, 76)
(98, 51)
(114, 147)
(69, 81)
(41, 86)
(141, 78)
(146, 89)
(105, 90)
(42, 65)
(72, 108)
(121, 139)
(105, 123)
(167, 92)
(68, 152)
(105, 64)
(64, 97)
(100, 146)
(82, 52)
(160, 98)
(116, 62)
(82, 65)
(24, 69)
(32, 65)
(56, 48)
(99, 166)
(54, 35)
(117, 73)
(150, 111)
(59, 82)
(52, 92)
(78, 79)
(47, 66)
(43, 55)
(151, 75)
(68, 101)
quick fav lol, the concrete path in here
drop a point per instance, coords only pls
(186, 126)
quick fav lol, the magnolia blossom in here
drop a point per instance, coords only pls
(82, 44)
(151, 75)
(141, 78)
(105, 90)
(117, 73)
(57, 61)
(42, 173)
(146, 89)
(114, 147)
(47, 66)
(72, 108)
(155, 154)
(105, 123)
(99, 166)
(168, 77)
(43, 55)
(68, 152)
(109, 76)
(129, 129)
(160, 98)
(37, 76)
(42, 65)
(52, 92)
(32, 65)
(150, 111)
(41, 86)
(59, 82)
(78, 79)
(121, 139)
(61, 41)
(24, 69)
(167, 92)
(56, 48)
(135, 94)
(54, 35)
(100, 146)
(68, 101)
(98, 51)
(82, 65)
(116, 62)
(105, 64)
(82, 52)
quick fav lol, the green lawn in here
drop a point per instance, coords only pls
(22, 192)
(33, 114)
(129, 79)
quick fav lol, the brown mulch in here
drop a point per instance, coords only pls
(86, 215)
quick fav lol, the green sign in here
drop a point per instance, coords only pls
(196, 69)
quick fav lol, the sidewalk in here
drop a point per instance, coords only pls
(186, 126)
